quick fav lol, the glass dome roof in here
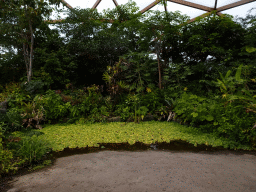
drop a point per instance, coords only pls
(192, 8)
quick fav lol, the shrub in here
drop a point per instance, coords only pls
(34, 87)
(6, 157)
(129, 107)
(109, 104)
(17, 100)
(44, 77)
(132, 108)
(13, 120)
(193, 108)
(54, 106)
(123, 111)
(213, 116)
(99, 114)
(140, 113)
(134, 72)
(11, 88)
(238, 111)
(153, 100)
(33, 113)
(90, 101)
(30, 149)
(233, 122)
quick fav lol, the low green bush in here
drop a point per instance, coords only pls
(123, 111)
(213, 116)
(132, 109)
(194, 109)
(34, 87)
(91, 100)
(33, 113)
(153, 100)
(128, 108)
(12, 121)
(30, 149)
(239, 108)
(233, 122)
(25, 151)
(231, 116)
(84, 102)
(6, 157)
(53, 105)
(98, 114)
(9, 89)
(17, 100)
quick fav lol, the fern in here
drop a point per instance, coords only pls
(238, 73)
(228, 74)
(222, 77)
(107, 77)
(222, 84)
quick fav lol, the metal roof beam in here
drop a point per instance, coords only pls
(203, 15)
(232, 5)
(66, 4)
(193, 5)
(215, 4)
(116, 4)
(96, 4)
(150, 6)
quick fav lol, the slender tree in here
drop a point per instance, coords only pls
(159, 32)
(20, 19)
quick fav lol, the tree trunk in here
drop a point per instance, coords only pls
(165, 8)
(25, 50)
(28, 49)
(157, 48)
(31, 52)
(159, 72)
(159, 69)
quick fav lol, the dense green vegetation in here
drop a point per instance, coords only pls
(82, 135)
(103, 71)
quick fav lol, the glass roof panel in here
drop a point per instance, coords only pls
(108, 4)
(241, 11)
(192, 12)
(81, 3)
(221, 3)
(189, 11)
(208, 3)
(140, 3)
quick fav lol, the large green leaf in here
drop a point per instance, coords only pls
(228, 74)
(194, 114)
(222, 77)
(250, 49)
(238, 73)
(209, 118)
(222, 84)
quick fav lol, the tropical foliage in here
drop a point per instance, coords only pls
(137, 67)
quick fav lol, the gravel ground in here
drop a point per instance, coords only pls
(143, 171)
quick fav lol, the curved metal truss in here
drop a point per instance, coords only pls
(181, 2)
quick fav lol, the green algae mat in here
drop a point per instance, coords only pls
(61, 136)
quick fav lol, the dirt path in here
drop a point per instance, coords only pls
(141, 171)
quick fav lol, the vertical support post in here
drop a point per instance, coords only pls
(215, 4)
